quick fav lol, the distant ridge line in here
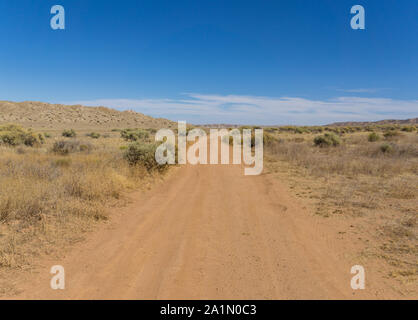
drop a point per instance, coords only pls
(380, 122)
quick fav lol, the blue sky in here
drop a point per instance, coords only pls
(211, 61)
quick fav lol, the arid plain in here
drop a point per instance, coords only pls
(79, 188)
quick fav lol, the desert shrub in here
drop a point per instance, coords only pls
(13, 135)
(94, 135)
(47, 135)
(32, 140)
(65, 147)
(85, 147)
(144, 155)
(386, 148)
(41, 137)
(134, 134)
(373, 136)
(64, 162)
(268, 138)
(408, 128)
(316, 129)
(300, 130)
(69, 133)
(326, 140)
(391, 134)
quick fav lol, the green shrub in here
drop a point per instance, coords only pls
(86, 147)
(13, 135)
(143, 154)
(69, 133)
(373, 136)
(93, 135)
(300, 130)
(386, 148)
(408, 128)
(134, 134)
(316, 129)
(31, 140)
(41, 137)
(326, 140)
(391, 134)
(47, 135)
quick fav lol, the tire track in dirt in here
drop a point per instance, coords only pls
(208, 232)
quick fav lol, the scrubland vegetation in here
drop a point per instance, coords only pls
(56, 185)
(53, 189)
(12, 135)
(365, 174)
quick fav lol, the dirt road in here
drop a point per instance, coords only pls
(208, 232)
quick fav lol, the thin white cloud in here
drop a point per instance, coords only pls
(363, 90)
(239, 109)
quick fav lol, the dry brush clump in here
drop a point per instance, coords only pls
(69, 133)
(14, 135)
(143, 155)
(135, 134)
(327, 140)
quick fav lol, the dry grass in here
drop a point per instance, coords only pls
(360, 180)
(48, 200)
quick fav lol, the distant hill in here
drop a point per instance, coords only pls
(58, 116)
(413, 121)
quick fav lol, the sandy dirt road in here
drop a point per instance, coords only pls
(208, 232)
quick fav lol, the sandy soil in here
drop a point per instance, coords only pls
(209, 232)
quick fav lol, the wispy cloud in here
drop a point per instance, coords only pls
(239, 109)
(363, 90)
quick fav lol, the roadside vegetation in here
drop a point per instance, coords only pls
(13, 135)
(367, 175)
(56, 185)
(54, 189)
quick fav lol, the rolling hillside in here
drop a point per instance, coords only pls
(56, 116)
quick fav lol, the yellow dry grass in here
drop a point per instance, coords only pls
(47, 200)
(374, 190)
